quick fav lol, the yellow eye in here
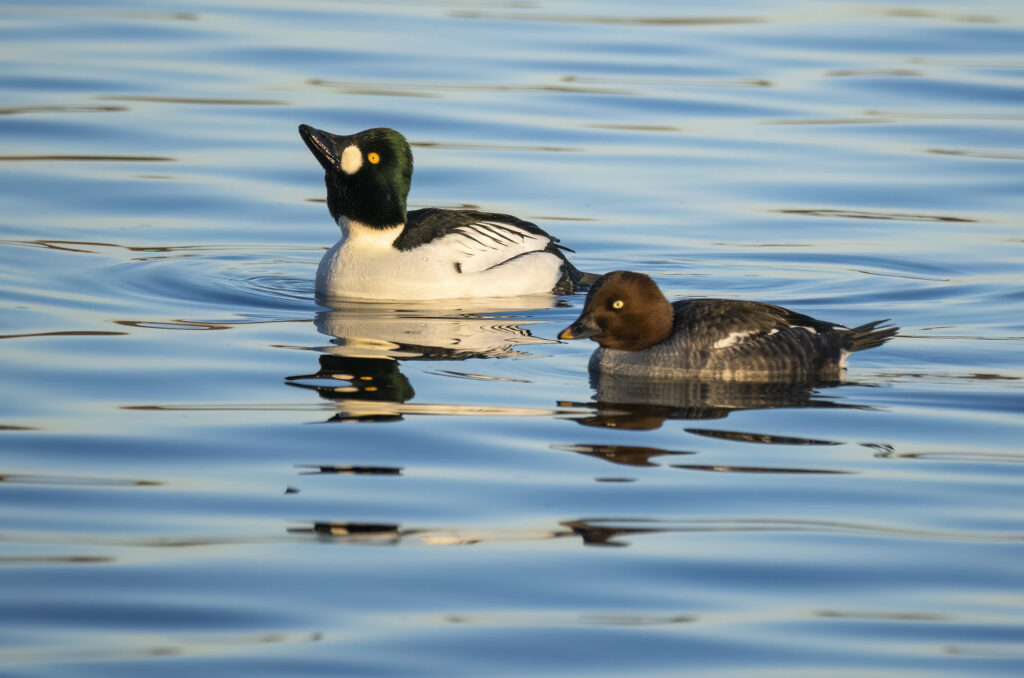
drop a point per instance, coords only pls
(618, 303)
(373, 158)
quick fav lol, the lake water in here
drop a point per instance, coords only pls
(206, 473)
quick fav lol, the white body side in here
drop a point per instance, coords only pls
(363, 264)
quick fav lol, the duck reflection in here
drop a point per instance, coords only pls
(645, 404)
(595, 534)
(366, 380)
(394, 534)
(448, 330)
(626, 455)
(359, 371)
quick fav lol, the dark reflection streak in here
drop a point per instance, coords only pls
(884, 216)
(351, 470)
(898, 72)
(760, 244)
(476, 377)
(666, 82)
(975, 154)
(29, 479)
(68, 538)
(980, 376)
(594, 535)
(897, 275)
(152, 16)
(65, 333)
(493, 147)
(605, 528)
(30, 560)
(122, 651)
(626, 21)
(894, 616)
(389, 408)
(637, 620)
(290, 407)
(755, 469)
(919, 115)
(546, 217)
(547, 620)
(828, 121)
(197, 100)
(199, 325)
(961, 457)
(632, 128)
(80, 245)
(173, 325)
(379, 91)
(13, 427)
(87, 158)
(973, 337)
(18, 110)
(626, 455)
(927, 14)
(760, 438)
(414, 89)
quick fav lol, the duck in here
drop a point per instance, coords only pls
(640, 334)
(388, 253)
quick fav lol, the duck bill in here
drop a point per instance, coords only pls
(583, 328)
(326, 147)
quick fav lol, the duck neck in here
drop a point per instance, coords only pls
(357, 234)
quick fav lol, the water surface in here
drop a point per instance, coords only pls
(205, 470)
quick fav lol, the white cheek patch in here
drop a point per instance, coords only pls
(351, 159)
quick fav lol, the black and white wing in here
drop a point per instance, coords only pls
(750, 340)
(475, 240)
(724, 323)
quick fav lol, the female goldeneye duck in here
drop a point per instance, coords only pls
(641, 334)
(386, 253)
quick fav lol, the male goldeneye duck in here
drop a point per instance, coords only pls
(641, 334)
(386, 253)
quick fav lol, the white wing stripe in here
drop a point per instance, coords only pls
(733, 339)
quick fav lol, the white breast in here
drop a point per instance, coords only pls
(365, 265)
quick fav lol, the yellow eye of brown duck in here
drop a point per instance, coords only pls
(374, 158)
(618, 303)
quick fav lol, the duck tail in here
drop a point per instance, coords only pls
(573, 279)
(586, 279)
(869, 335)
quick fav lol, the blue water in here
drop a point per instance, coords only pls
(206, 473)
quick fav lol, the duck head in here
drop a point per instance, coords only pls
(624, 311)
(367, 174)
